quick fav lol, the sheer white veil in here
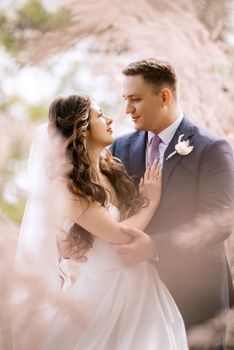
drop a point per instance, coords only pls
(37, 240)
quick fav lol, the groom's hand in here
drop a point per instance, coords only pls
(140, 249)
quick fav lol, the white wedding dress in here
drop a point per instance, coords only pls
(123, 308)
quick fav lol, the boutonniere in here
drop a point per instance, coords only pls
(182, 148)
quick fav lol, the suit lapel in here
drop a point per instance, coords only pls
(137, 154)
(169, 165)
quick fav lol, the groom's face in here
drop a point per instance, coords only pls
(143, 103)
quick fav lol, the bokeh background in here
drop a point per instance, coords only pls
(57, 47)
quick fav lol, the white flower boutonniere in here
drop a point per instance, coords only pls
(181, 148)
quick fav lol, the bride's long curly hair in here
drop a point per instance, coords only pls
(71, 117)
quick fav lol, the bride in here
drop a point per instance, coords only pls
(124, 308)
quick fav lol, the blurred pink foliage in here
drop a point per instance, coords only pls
(186, 33)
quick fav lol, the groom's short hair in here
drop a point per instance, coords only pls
(154, 71)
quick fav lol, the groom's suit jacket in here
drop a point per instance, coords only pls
(198, 183)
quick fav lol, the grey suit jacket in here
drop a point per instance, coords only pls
(198, 183)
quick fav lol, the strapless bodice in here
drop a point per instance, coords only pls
(101, 256)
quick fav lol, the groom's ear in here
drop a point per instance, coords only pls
(166, 96)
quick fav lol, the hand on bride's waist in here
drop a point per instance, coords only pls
(140, 249)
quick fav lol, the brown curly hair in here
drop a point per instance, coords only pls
(71, 117)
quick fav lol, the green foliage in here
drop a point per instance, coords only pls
(222, 70)
(6, 174)
(36, 112)
(14, 211)
(3, 19)
(58, 19)
(31, 15)
(15, 150)
(7, 101)
(7, 38)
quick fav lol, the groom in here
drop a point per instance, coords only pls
(198, 179)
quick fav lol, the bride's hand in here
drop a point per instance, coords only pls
(151, 185)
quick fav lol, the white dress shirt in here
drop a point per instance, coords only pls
(166, 136)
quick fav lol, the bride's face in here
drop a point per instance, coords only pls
(99, 132)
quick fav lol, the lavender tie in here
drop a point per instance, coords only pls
(153, 150)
